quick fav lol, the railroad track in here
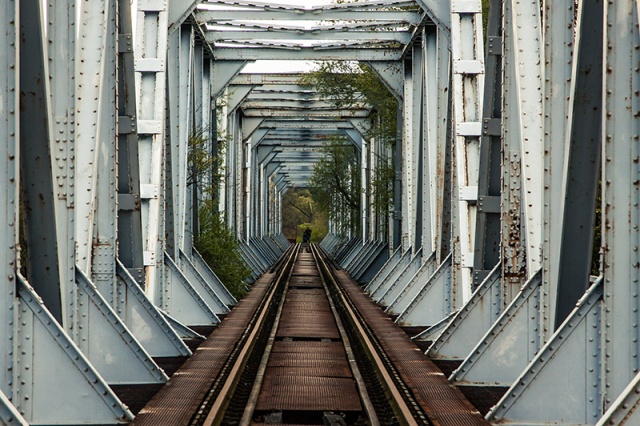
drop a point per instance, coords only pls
(308, 346)
(308, 360)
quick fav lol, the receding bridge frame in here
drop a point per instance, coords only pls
(452, 224)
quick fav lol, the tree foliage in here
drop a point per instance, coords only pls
(219, 248)
(346, 85)
(299, 211)
(336, 182)
(217, 244)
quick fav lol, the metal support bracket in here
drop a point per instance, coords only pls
(146, 322)
(510, 343)
(45, 344)
(471, 322)
(107, 342)
(434, 301)
(398, 304)
(578, 399)
(182, 301)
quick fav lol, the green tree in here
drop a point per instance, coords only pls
(350, 84)
(336, 182)
(217, 245)
(299, 211)
(219, 248)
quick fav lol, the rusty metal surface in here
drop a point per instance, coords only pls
(306, 315)
(305, 281)
(300, 393)
(322, 368)
(305, 375)
(444, 404)
(324, 349)
(176, 403)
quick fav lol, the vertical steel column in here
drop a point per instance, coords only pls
(247, 188)
(514, 268)
(130, 240)
(364, 198)
(417, 145)
(429, 152)
(396, 156)
(468, 86)
(621, 197)
(199, 129)
(443, 160)
(527, 51)
(61, 34)
(487, 236)
(409, 123)
(372, 161)
(581, 165)
(150, 65)
(9, 187)
(35, 159)
(104, 205)
(180, 92)
(558, 41)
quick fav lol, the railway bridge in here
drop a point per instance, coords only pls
(509, 256)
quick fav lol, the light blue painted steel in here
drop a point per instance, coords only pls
(624, 410)
(182, 301)
(471, 322)
(151, 39)
(182, 330)
(509, 345)
(107, 342)
(213, 280)
(621, 196)
(179, 129)
(45, 344)
(179, 11)
(558, 20)
(222, 74)
(201, 285)
(362, 255)
(61, 29)
(577, 394)
(9, 187)
(413, 287)
(438, 11)
(377, 252)
(387, 296)
(392, 74)
(467, 67)
(353, 252)
(434, 301)
(146, 322)
(432, 332)
(409, 261)
(379, 278)
(9, 415)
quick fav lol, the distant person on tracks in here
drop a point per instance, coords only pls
(306, 236)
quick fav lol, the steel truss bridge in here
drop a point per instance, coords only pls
(513, 144)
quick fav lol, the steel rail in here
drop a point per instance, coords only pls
(222, 399)
(396, 396)
(257, 385)
(362, 388)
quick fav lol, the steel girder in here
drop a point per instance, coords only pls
(36, 328)
(274, 111)
(576, 348)
(88, 306)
